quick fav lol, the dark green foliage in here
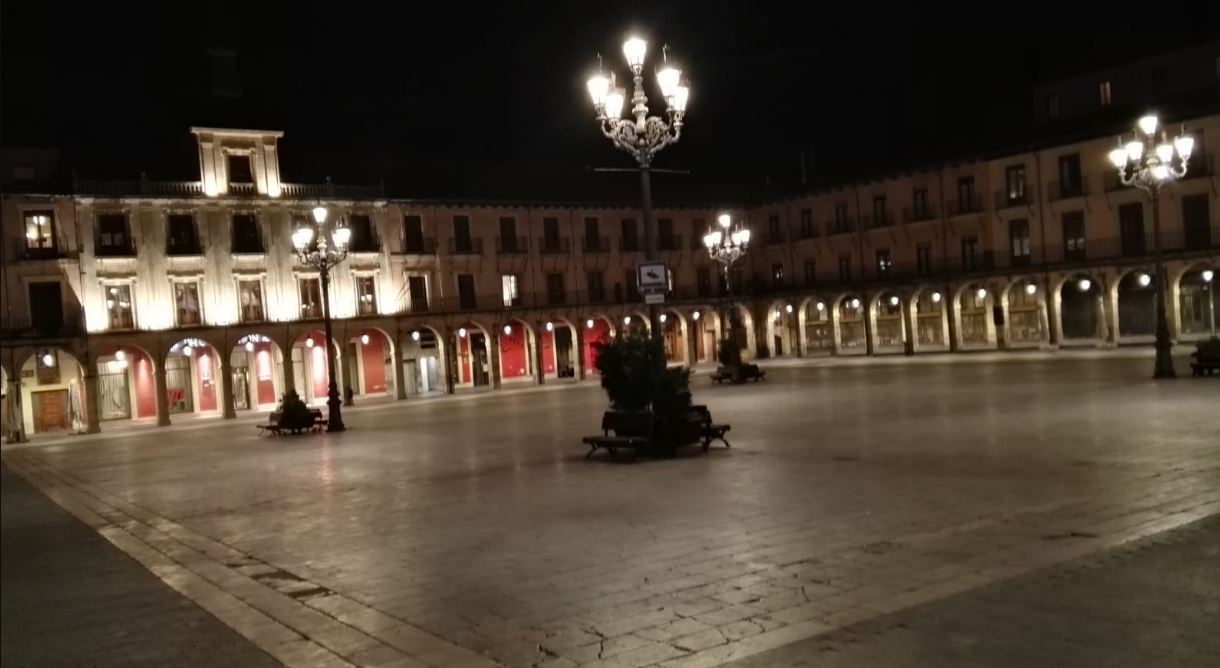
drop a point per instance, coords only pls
(730, 353)
(294, 414)
(635, 377)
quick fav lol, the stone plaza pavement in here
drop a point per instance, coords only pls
(474, 532)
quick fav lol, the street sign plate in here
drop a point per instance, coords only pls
(657, 298)
(652, 278)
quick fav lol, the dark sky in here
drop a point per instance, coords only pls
(863, 86)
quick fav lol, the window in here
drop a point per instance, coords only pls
(1069, 175)
(923, 259)
(239, 169)
(186, 304)
(366, 295)
(119, 307)
(466, 298)
(966, 200)
(631, 239)
(775, 233)
(413, 235)
(508, 289)
(1131, 228)
(1018, 242)
(550, 234)
(1196, 221)
(811, 274)
(417, 292)
(246, 235)
(39, 231)
(362, 240)
(508, 236)
(845, 269)
(462, 242)
(665, 234)
(808, 231)
(250, 299)
(309, 290)
(633, 288)
(919, 204)
(698, 228)
(597, 288)
(777, 275)
(593, 240)
(180, 235)
(880, 217)
(1103, 90)
(703, 282)
(1052, 106)
(883, 262)
(1014, 184)
(1073, 235)
(112, 237)
(554, 289)
(970, 253)
(842, 222)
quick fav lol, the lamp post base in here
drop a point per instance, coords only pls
(334, 420)
(1164, 362)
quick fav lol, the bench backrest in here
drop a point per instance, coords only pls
(274, 418)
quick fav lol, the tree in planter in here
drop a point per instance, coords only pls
(635, 378)
(730, 358)
(294, 414)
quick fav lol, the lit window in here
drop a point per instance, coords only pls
(366, 295)
(310, 290)
(39, 230)
(118, 306)
(1103, 90)
(186, 303)
(508, 283)
(250, 297)
(112, 236)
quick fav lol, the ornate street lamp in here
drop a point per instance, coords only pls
(641, 135)
(726, 245)
(322, 251)
(1149, 164)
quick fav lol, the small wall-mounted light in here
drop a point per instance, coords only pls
(981, 293)
(364, 339)
(1208, 275)
(462, 332)
(120, 355)
(1030, 288)
(664, 317)
(550, 326)
(894, 300)
(249, 346)
(788, 308)
(694, 316)
(186, 350)
(935, 297)
(1084, 284)
(508, 330)
(1144, 280)
(627, 320)
(589, 323)
(309, 342)
(821, 306)
(48, 359)
(415, 335)
(855, 303)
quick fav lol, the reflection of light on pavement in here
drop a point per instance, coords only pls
(326, 469)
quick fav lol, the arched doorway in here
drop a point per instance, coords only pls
(890, 331)
(705, 328)
(781, 329)
(1079, 301)
(1136, 305)
(673, 337)
(1197, 302)
(516, 341)
(741, 330)
(819, 334)
(851, 326)
(474, 364)
(559, 349)
(423, 357)
(597, 330)
(635, 326)
(310, 367)
(52, 392)
(256, 367)
(126, 385)
(930, 322)
(369, 371)
(974, 304)
(192, 377)
(1025, 313)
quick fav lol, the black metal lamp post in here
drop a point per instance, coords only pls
(322, 251)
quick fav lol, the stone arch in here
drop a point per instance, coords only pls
(56, 401)
(781, 329)
(849, 327)
(259, 370)
(194, 375)
(1080, 297)
(635, 324)
(472, 352)
(1195, 300)
(930, 318)
(561, 357)
(423, 360)
(740, 327)
(598, 327)
(675, 335)
(816, 325)
(371, 361)
(886, 313)
(1134, 298)
(972, 311)
(516, 343)
(704, 328)
(1026, 323)
(126, 381)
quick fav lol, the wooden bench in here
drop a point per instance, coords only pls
(272, 428)
(710, 431)
(626, 431)
(275, 428)
(1205, 362)
(748, 372)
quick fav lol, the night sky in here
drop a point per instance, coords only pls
(454, 88)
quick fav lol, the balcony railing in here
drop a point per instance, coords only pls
(185, 189)
(14, 328)
(475, 247)
(917, 214)
(126, 250)
(511, 245)
(596, 245)
(845, 226)
(1058, 190)
(425, 246)
(959, 207)
(554, 245)
(876, 221)
(1004, 200)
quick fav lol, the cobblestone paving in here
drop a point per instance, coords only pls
(462, 532)
(1155, 602)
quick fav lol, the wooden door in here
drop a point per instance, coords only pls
(50, 410)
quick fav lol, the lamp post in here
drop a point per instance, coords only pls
(640, 135)
(727, 245)
(315, 250)
(1149, 164)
